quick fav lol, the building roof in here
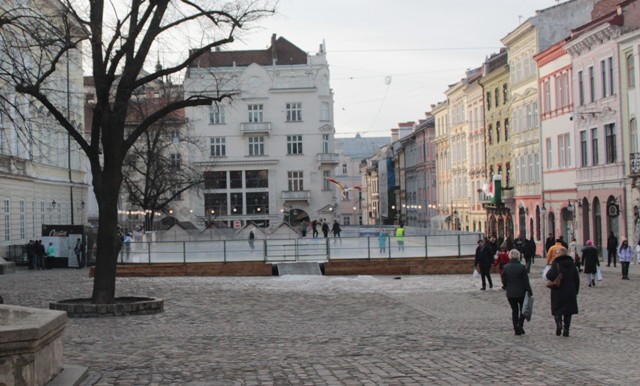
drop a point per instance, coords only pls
(281, 52)
(360, 147)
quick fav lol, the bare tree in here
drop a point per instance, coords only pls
(37, 39)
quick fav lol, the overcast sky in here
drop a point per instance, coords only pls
(422, 45)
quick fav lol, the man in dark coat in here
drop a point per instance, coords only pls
(529, 250)
(612, 247)
(590, 262)
(516, 281)
(564, 299)
(549, 243)
(484, 260)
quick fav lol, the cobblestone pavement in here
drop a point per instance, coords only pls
(418, 330)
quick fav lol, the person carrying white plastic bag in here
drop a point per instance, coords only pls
(516, 281)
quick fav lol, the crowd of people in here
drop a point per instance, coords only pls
(564, 262)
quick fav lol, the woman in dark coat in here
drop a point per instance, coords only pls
(564, 299)
(590, 262)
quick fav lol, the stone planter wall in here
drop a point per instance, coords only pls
(30, 345)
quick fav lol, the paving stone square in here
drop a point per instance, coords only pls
(299, 330)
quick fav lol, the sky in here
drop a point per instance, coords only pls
(391, 60)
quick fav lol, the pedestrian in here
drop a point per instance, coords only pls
(314, 227)
(252, 238)
(78, 251)
(625, 253)
(549, 243)
(51, 254)
(493, 245)
(529, 253)
(562, 242)
(573, 252)
(382, 241)
(303, 228)
(590, 262)
(638, 253)
(31, 254)
(400, 237)
(325, 229)
(502, 260)
(516, 282)
(612, 247)
(126, 240)
(551, 253)
(483, 260)
(335, 229)
(564, 298)
(39, 248)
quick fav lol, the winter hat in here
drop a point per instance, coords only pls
(589, 242)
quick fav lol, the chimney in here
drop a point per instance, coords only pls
(394, 135)
(274, 52)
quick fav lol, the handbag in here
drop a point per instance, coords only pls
(475, 275)
(557, 281)
(598, 274)
(527, 307)
(545, 270)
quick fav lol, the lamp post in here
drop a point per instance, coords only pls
(543, 220)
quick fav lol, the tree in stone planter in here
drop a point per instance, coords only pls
(38, 38)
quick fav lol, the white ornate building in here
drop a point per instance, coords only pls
(270, 149)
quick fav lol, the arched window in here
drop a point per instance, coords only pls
(631, 71)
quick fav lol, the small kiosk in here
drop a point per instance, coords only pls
(64, 239)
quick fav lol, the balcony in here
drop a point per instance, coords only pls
(634, 163)
(296, 195)
(329, 158)
(255, 128)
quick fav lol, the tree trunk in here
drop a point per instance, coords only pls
(107, 183)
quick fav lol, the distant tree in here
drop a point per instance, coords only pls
(39, 37)
(154, 171)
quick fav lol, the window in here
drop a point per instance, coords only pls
(174, 136)
(508, 175)
(564, 151)
(594, 146)
(529, 117)
(610, 142)
(631, 72)
(505, 93)
(294, 112)
(295, 181)
(490, 134)
(633, 134)
(255, 113)
(294, 144)
(498, 128)
(7, 221)
(536, 159)
(325, 143)
(216, 115)
(346, 220)
(344, 168)
(603, 69)
(580, 88)
(592, 85)
(325, 113)
(496, 96)
(530, 170)
(218, 147)
(256, 146)
(583, 148)
(506, 129)
(549, 154)
(216, 202)
(326, 184)
(235, 179)
(488, 100)
(611, 84)
(535, 114)
(257, 179)
(237, 203)
(215, 180)
(258, 203)
(176, 160)
(546, 87)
